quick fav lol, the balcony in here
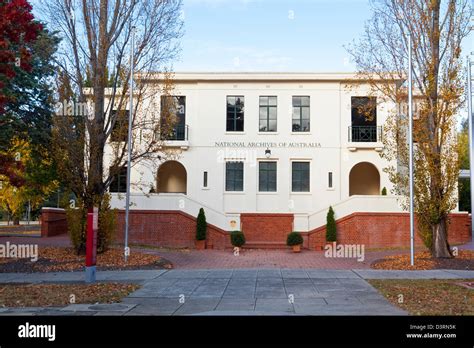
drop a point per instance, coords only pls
(365, 137)
(177, 137)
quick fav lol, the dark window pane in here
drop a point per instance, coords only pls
(234, 176)
(330, 179)
(239, 125)
(364, 111)
(296, 101)
(235, 114)
(205, 179)
(267, 176)
(300, 177)
(230, 126)
(296, 126)
(119, 181)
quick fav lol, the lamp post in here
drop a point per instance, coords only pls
(129, 146)
(410, 144)
(470, 129)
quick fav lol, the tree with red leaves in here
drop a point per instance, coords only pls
(17, 29)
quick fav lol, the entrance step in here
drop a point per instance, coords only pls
(265, 245)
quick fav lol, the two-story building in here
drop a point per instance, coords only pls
(267, 153)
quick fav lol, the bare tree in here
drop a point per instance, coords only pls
(94, 66)
(437, 29)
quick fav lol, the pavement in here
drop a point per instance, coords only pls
(263, 291)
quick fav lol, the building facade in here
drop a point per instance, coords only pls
(266, 154)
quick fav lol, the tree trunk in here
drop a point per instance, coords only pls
(440, 246)
(16, 221)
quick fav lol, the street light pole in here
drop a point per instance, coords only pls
(410, 141)
(470, 125)
(129, 146)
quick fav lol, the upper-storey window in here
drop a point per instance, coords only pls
(301, 114)
(235, 114)
(173, 118)
(268, 114)
(364, 120)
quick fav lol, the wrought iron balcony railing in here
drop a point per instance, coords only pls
(365, 134)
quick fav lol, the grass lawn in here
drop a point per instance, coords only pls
(56, 259)
(428, 296)
(44, 295)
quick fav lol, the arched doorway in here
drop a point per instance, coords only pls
(172, 178)
(364, 179)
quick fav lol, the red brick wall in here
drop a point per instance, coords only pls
(266, 228)
(378, 230)
(165, 228)
(53, 222)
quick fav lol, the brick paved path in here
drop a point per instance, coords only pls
(248, 258)
(258, 258)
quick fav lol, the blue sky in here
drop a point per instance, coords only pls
(270, 35)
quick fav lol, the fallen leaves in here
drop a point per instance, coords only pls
(46, 295)
(55, 259)
(428, 296)
(424, 261)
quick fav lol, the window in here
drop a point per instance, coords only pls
(119, 181)
(300, 177)
(364, 120)
(268, 114)
(204, 183)
(234, 176)
(173, 118)
(235, 114)
(300, 122)
(330, 180)
(267, 176)
(120, 130)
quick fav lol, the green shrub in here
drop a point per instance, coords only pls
(201, 225)
(76, 228)
(331, 233)
(107, 225)
(294, 238)
(77, 225)
(237, 238)
(384, 191)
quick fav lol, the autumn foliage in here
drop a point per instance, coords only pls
(17, 28)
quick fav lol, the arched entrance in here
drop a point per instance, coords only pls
(172, 178)
(364, 179)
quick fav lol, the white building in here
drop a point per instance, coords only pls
(270, 143)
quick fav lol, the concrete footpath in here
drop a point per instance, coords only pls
(236, 291)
